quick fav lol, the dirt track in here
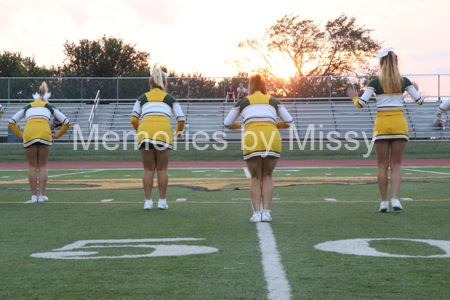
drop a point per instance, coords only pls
(217, 164)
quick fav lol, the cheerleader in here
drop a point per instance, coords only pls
(261, 141)
(390, 130)
(37, 138)
(155, 134)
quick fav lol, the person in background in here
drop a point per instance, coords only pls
(1, 110)
(390, 130)
(230, 93)
(155, 134)
(261, 141)
(241, 91)
(439, 122)
(37, 138)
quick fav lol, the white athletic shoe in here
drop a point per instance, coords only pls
(265, 217)
(148, 205)
(384, 206)
(256, 218)
(396, 204)
(162, 205)
(34, 199)
(43, 199)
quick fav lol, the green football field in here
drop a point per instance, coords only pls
(93, 240)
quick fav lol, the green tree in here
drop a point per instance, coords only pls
(13, 64)
(105, 57)
(341, 47)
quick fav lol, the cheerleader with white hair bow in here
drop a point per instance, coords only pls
(390, 130)
(37, 138)
(151, 119)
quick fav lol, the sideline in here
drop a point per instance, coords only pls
(218, 164)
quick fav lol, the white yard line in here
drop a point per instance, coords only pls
(247, 173)
(66, 174)
(422, 171)
(277, 284)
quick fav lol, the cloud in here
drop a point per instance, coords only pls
(163, 12)
(438, 55)
(77, 12)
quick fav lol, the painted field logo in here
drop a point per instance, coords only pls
(362, 247)
(157, 250)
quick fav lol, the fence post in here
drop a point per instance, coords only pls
(189, 88)
(81, 78)
(117, 88)
(439, 87)
(9, 88)
(295, 80)
(329, 86)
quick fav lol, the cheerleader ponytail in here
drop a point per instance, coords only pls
(158, 78)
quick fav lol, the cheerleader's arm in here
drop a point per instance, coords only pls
(135, 115)
(63, 119)
(13, 123)
(63, 129)
(135, 122)
(285, 116)
(414, 94)
(181, 120)
(231, 118)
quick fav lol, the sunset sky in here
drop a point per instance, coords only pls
(199, 35)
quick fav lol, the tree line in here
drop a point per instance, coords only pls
(340, 47)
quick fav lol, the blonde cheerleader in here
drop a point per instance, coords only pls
(155, 134)
(261, 141)
(390, 130)
(37, 138)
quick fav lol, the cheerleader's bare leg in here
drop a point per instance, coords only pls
(255, 167)
(397, 148)
(43, 152)
(149, 162)
(162, 162)
(31, 152)
(382, 149)
(269, 164)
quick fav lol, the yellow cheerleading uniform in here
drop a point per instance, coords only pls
(155, 108)
(390, 125)
(37, 128)
(261, 137)
(390, 122)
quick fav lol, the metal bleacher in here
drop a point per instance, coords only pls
(74, 112)
(322, 116)
(314, 119)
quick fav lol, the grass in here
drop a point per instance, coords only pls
(302, 219)
(65, 152)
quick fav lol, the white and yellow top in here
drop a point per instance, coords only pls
(39, 109)
(388, 101)
(258, 108)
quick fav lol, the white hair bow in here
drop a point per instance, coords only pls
(45, 98)
(384, 53)
(164, 74)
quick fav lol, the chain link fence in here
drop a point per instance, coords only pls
(435, 86)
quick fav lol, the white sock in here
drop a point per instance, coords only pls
(162, 200)
(266, 210)
(149, 200)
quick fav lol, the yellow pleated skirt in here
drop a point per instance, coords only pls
(390, 125)
(37, 131)
(156, 131)
(261, 139)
